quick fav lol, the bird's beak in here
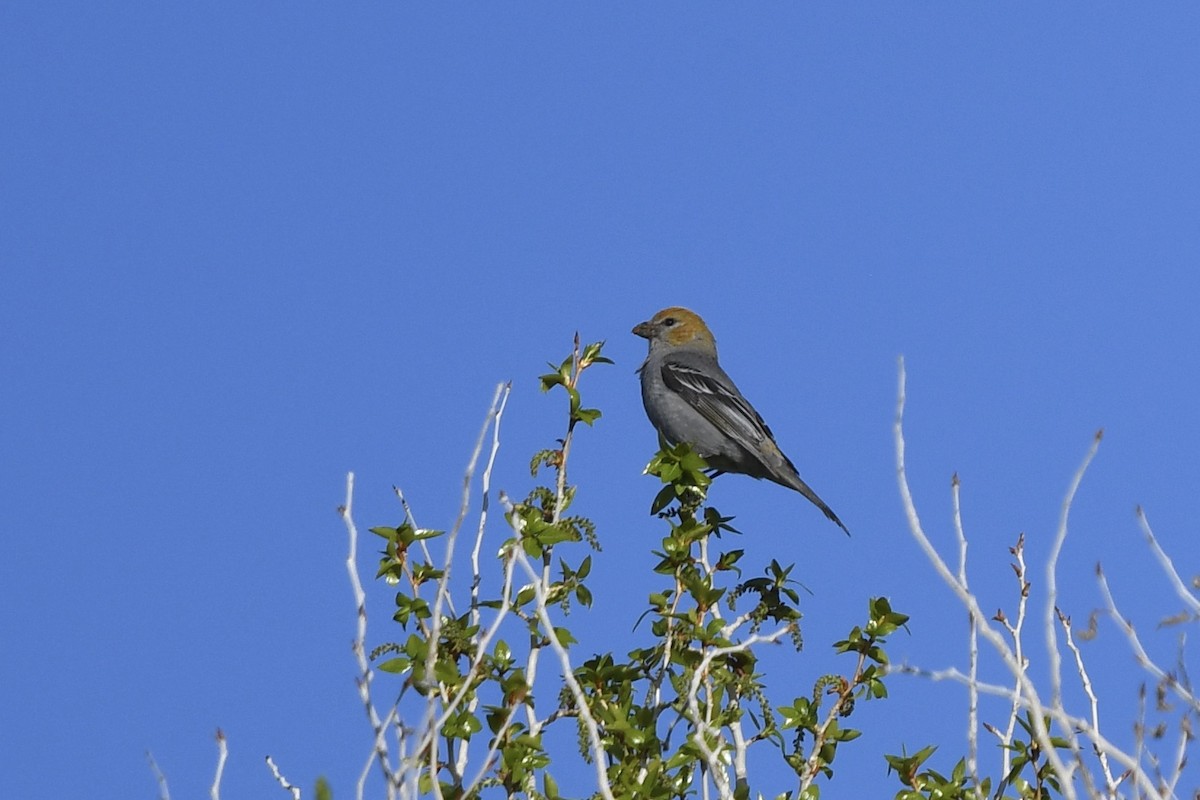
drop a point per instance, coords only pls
(644, 330)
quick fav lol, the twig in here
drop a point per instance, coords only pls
(564, 659)
(1015, 632)
(1143, 658)
(1050, 629)
(1180, 761)
(703, 721)
(164, 793)
(813, 764)
(365, 673)
(481, 649)
(483, 512)
(560, 485)
(411, 518)
(1184, 594)
(282, 781)
(1059, 715)
(222, 754)
(476, 579)
(1026, 688)
(1093, 701)
(972, 644)
(443, 585)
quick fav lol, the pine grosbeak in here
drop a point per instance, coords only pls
(689, 398)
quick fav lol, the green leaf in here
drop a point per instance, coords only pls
(729, 560)
(446, 672)
(396, 666)
(591, 354)
(662, 499)
(587, 415)
(551, 380)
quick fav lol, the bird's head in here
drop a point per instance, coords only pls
(677, 327)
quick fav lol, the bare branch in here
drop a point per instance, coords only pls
(972, 643)
(564, 659)
(1075, 734)
(1143, 658)
(222, 754)
(1066, 720)
(1049, 614)
(1015, 667)
(716, 770)
(365, 673)
(1181, 590)
(282, 781)
(483, 512)
(1093, 701)
(164, 793)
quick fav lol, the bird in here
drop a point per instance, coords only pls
(689, 398)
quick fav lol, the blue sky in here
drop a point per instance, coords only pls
(246, 250)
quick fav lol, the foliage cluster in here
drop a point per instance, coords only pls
(672, 718)
(494, 696)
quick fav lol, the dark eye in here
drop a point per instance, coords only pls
(669, 321)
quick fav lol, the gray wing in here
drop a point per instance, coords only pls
(718, 401)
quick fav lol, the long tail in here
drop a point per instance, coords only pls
(794, 481)
(779, 468)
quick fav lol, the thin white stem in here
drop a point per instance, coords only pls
(718, 772)
(730, 628)
(715, 609)
(1050, 629)
(1016, 633)
(703, 722)
(739, 744)
(359, 647)
(972, 645)
(1093, 701)
(531, 671)
(282, 781)
(1180, 761)
(1139, 767)
(496, 412)
(411, 519)
(1143, 658)
(481, 646)
(568, 673)
(1139, 730)
(967, 599)
(486, 488)
(164, 793)
(441, 598)
(1181, 590)
(379, 745)
(214, 791)
(1059, 715)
